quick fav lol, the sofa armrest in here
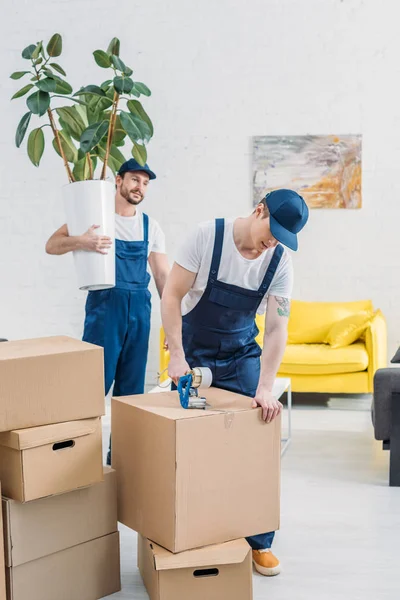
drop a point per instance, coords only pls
(386, 383)
(376, 344)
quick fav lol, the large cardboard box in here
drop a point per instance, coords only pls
(191, 478)
(2, 570)
(85, 572)
(42, 527)
(52, 459)
(49, 380)
(222, 572)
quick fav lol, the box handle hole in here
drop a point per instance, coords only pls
(206, 573)
(62, 445)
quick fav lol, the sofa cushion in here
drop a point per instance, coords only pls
(310, 322)
(349, 330)
(320, 359)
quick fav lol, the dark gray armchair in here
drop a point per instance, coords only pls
(386, 417)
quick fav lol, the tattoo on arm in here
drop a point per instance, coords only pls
(284, 306)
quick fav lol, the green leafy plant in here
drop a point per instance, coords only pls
(98, 120)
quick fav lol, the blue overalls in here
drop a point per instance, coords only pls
(219, 333)
(119, 319)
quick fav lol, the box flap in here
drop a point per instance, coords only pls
(42, 347)
(166, 404)
(23, 439)
(222, 554)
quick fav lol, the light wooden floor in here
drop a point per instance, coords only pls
(340, 524)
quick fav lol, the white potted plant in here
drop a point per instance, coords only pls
(87, 134)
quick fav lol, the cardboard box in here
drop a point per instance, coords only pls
(191, 478)
(52, 459)
(85, 572)
(2, 569)
(49, 380)
(213, 573)
(49, 525)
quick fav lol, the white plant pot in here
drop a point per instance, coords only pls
(90, 203)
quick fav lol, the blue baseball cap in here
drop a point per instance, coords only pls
(288, 213)
(133, 165)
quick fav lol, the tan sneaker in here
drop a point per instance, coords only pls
(266, 563)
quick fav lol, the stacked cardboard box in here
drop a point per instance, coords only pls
(194, 483)
(59, 509)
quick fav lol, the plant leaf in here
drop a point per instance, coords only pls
(106, 84)
(128, 71)
(18, 74)
(36, 145)
(137, 109)
(139, 153)
(38, 103)
(59, 69)
(23, 91)
(68, 146)
(48, 72)
(129, 125)
(47, 84)
(54, 47)
(63, 87)
(123, 85)
(91, 89)
(102, 59)
(142, 88)
(119, 132)
(38, 61)
(92, 135)
(21, 129)
(28, 51)
(118, 63)
(113, 47)
(81, 170)
(71, 120)
(37, 50)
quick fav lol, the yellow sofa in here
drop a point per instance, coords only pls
(314, 366)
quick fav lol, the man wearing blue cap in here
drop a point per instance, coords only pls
(225, 273)
(119, 318)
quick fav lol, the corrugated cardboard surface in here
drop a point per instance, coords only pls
(42, 527)
(86, 572)
(44, 470)
(231, 577)
(2, 570)
(188, 478)
(49, 380)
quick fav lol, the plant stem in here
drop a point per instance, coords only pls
(71, 178)
(111, 127)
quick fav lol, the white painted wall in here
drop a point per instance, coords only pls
(221, 72)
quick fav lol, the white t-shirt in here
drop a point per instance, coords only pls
(130, 229)
(196, 253)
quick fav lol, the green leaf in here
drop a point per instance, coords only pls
(111, 163)
(118, 143)
(92, 135)
(113, 47)
(22, 91)
(117, 155)
(118, 63)
(54, 47)
(129, 125)
(102, 59)
(91, 89)
(38, 103)
(48, 72)
(96, 107)
(28, 51)
(37, 50)
(119, 133)
(36, 146)
(81, 170)
(139, 153)
(128, 71)
(71, 120)
(142, 88)
(134, 92)
(59, 69)
(137, 109)
(21, 129)
(63, 87)
(47, 85)
(68, 146)
(18, 74)
(82, 111)
(106, 84)
(38, 61)
(123, 85)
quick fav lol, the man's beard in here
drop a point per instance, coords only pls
(125, 194)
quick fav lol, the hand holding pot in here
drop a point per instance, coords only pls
(91, 242)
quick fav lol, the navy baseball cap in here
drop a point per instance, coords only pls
(133, 165)
(288, 213)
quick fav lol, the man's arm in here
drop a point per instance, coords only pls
(61, 242)
(178, 284)
(275, 337)
(160, 268)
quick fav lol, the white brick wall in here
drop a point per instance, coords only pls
(221, 72)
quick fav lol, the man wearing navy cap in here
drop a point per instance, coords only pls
(225, 273)
(119, 318)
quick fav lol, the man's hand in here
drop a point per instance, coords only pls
(177, 367)
(91, 242)
(271, 407)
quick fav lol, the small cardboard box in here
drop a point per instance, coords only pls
(211, 573)
(49, 525)
(191, 478)
(49, 380)
(86, 572)
(52, 459)
(2, 570)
